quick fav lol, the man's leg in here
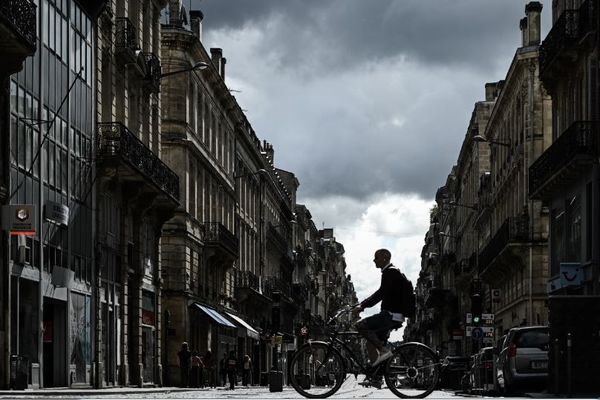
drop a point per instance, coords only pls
(368, 328)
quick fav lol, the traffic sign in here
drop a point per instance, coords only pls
(477, 333)
(485, 331)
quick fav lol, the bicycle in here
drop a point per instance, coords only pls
(318, 369)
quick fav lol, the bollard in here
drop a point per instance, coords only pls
(556, 366)
(569, 366)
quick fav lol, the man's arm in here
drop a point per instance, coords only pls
(372, 299)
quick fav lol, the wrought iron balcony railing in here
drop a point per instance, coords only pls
(248, 280)
(153, 72)
(215, 233)
(579, 143)
(115, 140)
(20, 16)
(275, 284)
(126, 38)
(565, 36)
(513, 230)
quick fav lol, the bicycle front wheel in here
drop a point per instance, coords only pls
(412, 371)
(317, 370)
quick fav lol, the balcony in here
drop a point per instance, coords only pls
(565, 39)
(126, 42)
(561, 164)
(153, 72)
(499, 254)
(118, 147)
(17, 33)
(247, 288)
(277, 240)
(217, 236)
(277, 285)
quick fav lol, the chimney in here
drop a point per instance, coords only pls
(524, 32)
(492, 90)
(175, 12)
(533, 10)
(223, 62)
(268, 147)
(196, 18)
(216, 55)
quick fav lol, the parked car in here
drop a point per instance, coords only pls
(483, 370)
(523, 359)
(453, 368)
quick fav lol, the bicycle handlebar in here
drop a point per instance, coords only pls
(342, 311)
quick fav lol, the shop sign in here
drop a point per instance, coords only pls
(56, 213)
(277, 339)
(19, 219)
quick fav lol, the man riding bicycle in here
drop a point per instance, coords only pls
(376, 328)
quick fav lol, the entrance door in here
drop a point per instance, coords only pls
(54, 350)
(148, 353)
(109, 332)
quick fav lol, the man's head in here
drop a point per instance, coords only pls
(382, 258)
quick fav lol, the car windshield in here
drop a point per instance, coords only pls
(535, 338)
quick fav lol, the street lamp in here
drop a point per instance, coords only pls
(198, 66)
(480, 139)
(242, 175)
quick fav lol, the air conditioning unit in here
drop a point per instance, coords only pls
(23, 250)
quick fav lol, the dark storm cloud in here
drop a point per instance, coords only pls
(334, 33)
(363, 96)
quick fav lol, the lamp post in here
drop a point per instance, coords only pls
(481, 139)
(198, 66)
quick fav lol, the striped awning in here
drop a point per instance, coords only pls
(251, 332)
(215, 315)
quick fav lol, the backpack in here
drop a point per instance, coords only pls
(408, 299)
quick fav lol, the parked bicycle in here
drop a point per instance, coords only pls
(318, 369)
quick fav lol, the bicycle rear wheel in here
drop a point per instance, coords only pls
(412, 371)
(317, 370)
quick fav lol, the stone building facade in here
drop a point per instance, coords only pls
(136, 193)
(513, 259)
(486, 243)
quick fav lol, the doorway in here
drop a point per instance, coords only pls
(148, 353)
(54, 343)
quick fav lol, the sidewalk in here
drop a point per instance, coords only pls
(97, 392)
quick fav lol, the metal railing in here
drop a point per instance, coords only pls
(275, 284)
(564, 33)
(514, 229)
(249, 280)
(126, 37)
(217, 233)
(580, 139)
(21, 14)
(114, 139)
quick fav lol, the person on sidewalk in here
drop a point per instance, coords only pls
(196, 371)
(231, 367)
(209, 365)
(246, 368)
(376, 328)
(184, 364)
(223, 370)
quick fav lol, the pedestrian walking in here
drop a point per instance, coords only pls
(231, 368)
(196, 371)
(209, 366)
(246, 370)
(223, 370)
(184, 364)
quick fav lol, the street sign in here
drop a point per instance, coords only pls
(469, 318)
(488, 319)
(484, 331)
(477, 333)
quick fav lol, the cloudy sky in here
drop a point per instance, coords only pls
(366, 101)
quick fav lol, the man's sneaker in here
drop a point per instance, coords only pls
(373, 381)
(384, 354)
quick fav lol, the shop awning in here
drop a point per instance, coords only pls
(214, 314)
(251, 332)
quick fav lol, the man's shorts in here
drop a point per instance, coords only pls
(381, 324)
